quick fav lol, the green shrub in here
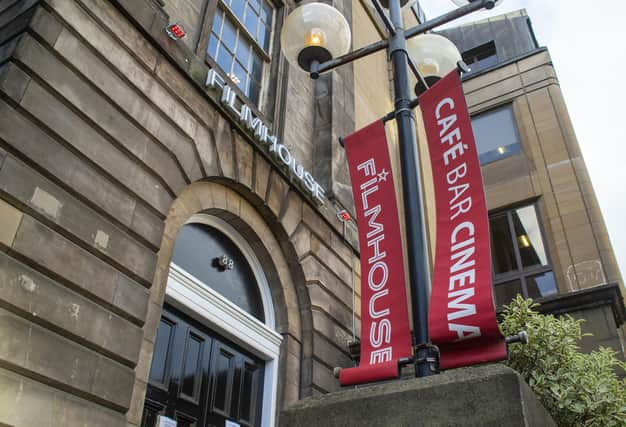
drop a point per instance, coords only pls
(577, 389)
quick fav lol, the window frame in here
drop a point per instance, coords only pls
(269, 65)
(475, 52)
(492, 109)
(521, 273)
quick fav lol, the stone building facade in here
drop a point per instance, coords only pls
(120, 166)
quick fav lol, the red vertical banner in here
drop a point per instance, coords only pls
(462, 319)
(385, 335)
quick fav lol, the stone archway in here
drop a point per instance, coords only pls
(270, 243)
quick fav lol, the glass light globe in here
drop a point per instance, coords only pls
(314, 32)
(434, 55)
(464, 2)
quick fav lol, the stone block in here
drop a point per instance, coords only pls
(27, 403)
(314, 271)
(64, 165)
(110, 17)
(62, 257)
(173, 127)
(338, 334)
(148, 225)
(328, 353)
(301, 240)
(72, 365)
(65, 210)
(292, 212)
(71, 315)
(323, 300)
(339, 266)
(276, 193)
(13, 81)
(205, 144)
(323, 378)
(490, 395)
(244, 160)
(224, 145)
(136, 406)
(131, 297)
(261, 175)
(23, 403)
(10, 218)
(46, 25)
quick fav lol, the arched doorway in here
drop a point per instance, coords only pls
(216, 351)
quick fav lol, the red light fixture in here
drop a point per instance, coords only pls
(175, 31)
(344, 216)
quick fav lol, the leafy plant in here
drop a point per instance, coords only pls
(577, 389)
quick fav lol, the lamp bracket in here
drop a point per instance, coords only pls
(313, 53)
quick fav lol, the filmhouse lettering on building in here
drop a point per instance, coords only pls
(263, 137)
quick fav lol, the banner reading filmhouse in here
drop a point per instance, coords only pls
(462, 318)
(385, 335)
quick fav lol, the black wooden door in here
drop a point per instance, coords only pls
(200, 379)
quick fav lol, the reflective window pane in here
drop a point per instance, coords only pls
(496, 135)
(217, 21)
(505, 292)
(212, 47)
(257, 68)
(229, 35)
(264, 38)
(252, 23)
(254, 90)
(502, 249)
(238, 7)
(224, 59)
(242, 36)
(541, 285)
(243, 52)
(528, 234)
(266, 13)
(239, 76)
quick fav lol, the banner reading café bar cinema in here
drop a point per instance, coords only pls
(385, 335)
(462, 318)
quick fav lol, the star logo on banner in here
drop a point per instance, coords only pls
(382, 176)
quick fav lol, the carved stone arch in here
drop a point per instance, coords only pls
(267, 234)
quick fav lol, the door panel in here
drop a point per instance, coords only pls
(199, 378)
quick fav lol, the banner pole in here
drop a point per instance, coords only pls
(419, 269)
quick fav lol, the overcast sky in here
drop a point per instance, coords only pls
(587, 42)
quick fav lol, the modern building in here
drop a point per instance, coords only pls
(169, 238)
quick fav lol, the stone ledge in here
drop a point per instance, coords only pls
(489, 395)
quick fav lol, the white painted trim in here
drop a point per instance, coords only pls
(224, 316)
(187, 293)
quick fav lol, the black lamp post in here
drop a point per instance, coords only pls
(316, 37)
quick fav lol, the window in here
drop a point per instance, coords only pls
(481, 57)
(496, 135)
(518, 254)
(239, 42)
